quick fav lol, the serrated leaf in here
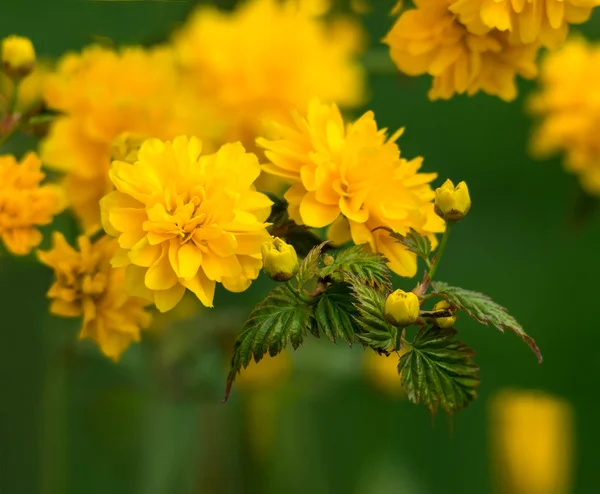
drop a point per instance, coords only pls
(334, 313)
(370, 267)
(369, 302)
(310, 264)
(438, 370)
(413, 241)
(484, 310)
(280, 318)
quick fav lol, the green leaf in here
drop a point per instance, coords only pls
(280, 318)
(370, 267)
(413, 241)
(484, 310)
(302, 239)
(334, 313)
(438, 370)
(369, 302)
(310, 264)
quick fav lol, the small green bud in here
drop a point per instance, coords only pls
(402, 308)
(328, 260)
(443, 322)
(280, 261)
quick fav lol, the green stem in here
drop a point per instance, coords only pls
(15, 98)
(438, 256)
(299, 296)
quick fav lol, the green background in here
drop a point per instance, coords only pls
(73, 422)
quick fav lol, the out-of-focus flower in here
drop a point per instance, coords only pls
(87, 286)
(269, 57)
(462, 57)
(18, 56)
(30, 89)
(186, 221)
(568, 107)
(382, 372)
(352, 179)
(24, 203)
(102, 94)
(532, 442)
(452, 203)
(266, 374)
(532, 21)
(280, 259)
(402, 308)
(443, 322)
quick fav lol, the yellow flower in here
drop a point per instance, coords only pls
(532, 440)
(18, 56)
(269, 373)
(402, 308)
(24, 203)
(102, 94)
(532, 21)
(443, 322)
(382, 372)
(352, 178)
(87, 286)
(186, 221)
(461, 58)
(30, 89)
(280, 259)
(269, 57)
(569, 110)
(452, 203)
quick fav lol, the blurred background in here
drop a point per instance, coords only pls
(325, 419)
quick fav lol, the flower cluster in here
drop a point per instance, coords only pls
(186, 220)
(451, 41)
(268, 58)
(101, 94)
(352, 179)
(24, 203)
(87, 286)
(568, 109)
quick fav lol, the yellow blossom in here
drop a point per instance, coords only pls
(352, 179)
(268, 57)
(102, 94)
(402, 308)
(87, 286)
(382, 371)
(532, 442)
(532, 21)
(443, 322)
(186, 220)
(452, 203)
(568, 109)
(280, 259)
(30, 89)
(18, 56)
(430, 39)
(24, 203)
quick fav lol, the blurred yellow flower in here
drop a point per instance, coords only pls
(24, 203)
(268, 373)
(352, 179)
(532, 442)
(186, 221)
(18, 56)
(532, 21)
(30, 89)
(568, 109)
(268, 57)
(430, 39)
(87, 286)
(103, 93)
(382, 372)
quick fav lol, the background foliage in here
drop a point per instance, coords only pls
(72, 421)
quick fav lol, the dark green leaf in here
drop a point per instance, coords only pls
(302, 239)
(484, 310)
(413, 241)
(438, 370)
(370, 267)
(280, 318)
(334, 313)
(310, 264)
(369, 302)
(279, 215)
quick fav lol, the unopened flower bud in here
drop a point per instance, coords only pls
(280, 261)
(126, 147)
(443, 322)
(452, 203)
(328, 260)
(18, 56)
(402, 308)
